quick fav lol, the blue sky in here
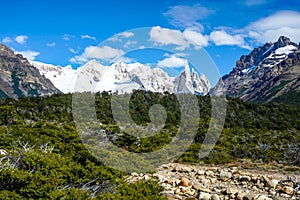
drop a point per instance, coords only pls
(65, 32)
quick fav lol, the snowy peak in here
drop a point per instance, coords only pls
(191, 83)
(123, 78)
(268, 55)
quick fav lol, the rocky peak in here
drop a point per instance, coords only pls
(187, 71)
(283, 41)
(257, 73)
(5, 51)
(18, 78)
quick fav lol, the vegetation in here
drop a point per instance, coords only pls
(42, 155)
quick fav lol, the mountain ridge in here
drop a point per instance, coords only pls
(93, 76)
(18, 78)
(266, 73)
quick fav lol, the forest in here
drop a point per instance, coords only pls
(42, 154)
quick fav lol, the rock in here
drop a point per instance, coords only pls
(197, 187)
(146, 177)
(177, 196)
(184, 182)
(261, 197)
(231, 191)
(213, 180)
(271, 183)
(204, 196)
(214, 197)
(240, 196)
(167, 193)
(170, 181)
(249, 196)
(291, 184)
(209, 173)
(244, 178)
(288, 190)
(200, 172)
(224, 176)
(191, 198)
(272, 192)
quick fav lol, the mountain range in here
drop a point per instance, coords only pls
(122, 77)
(267, 73)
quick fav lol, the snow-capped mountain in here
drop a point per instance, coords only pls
(122, 77)
(266, 73)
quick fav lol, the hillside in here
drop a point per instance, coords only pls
(42, 155)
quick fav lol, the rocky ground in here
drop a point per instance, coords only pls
(191, 182)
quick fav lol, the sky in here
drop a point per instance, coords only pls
(74, 32)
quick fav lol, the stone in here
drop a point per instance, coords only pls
(249, 196)
(271, 183)
(134, 174)
(224, 175)
(261, 197)
(200, 172)
(146, 177)
(184, 182)
(231, 191)
(214, 197)
(167, 193)
(213, 180)
(191, 198)
(170, 181)
(240, 196)
(209, 173)
(177, 196)
(288, 190)
(244, 178)
(204, 196)
(197, 187)
(291, 184)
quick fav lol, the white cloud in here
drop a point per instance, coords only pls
(223, 38)
(171, 62)
(268, 29)
(165, 36)
(254, 2)
(120, 36)
(7, 40)
(29, 54)
(88, 37)
(73, 50)
(21, 39)
(130, 43)
(67, 37)
(182, 16)
(52, 44)
(105, 53)
(195, 38)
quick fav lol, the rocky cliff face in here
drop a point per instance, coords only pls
(266, 73)
(191, 83)
(18, 78)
